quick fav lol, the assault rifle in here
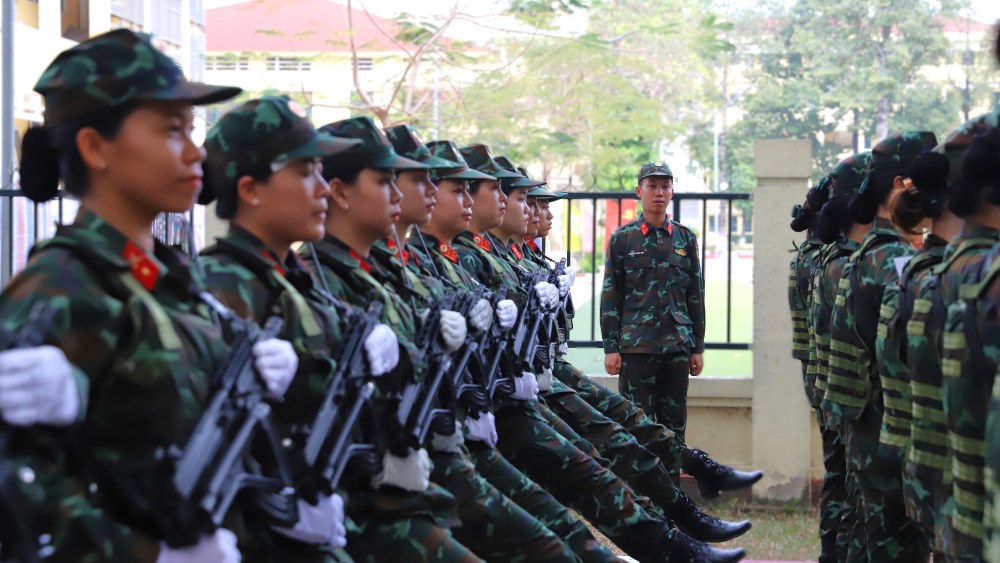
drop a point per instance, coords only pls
(18, 543)
(463, 392)
(330, 448)
(216, 463)
(493, 344)
(525, 339)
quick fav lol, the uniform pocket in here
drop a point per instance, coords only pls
(639, 307)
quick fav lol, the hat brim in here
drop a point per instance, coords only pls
(438, 163)
(396, 162)
(470, 175)
(528, 183)
(198, 93)
(323, 145)
(501, 174)
(651, 174)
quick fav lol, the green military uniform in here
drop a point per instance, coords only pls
(142, 344)
(800, 277)
(854, 394)
(653, 313)
(989, 296)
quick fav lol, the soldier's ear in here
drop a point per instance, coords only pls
(248, 191)
(338, 194)
(638, 188)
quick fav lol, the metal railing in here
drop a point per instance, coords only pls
(597, 256)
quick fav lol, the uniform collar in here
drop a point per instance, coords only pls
(971, 229)
(647, 228)
(339, 250)
(530, 242)
(247, 240)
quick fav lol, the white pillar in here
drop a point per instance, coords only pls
(783, 429)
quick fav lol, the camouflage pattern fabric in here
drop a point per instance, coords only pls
(968, 369)
(991, 473)
(800, 277)
(658, 384)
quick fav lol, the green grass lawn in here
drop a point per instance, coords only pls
(728, 363)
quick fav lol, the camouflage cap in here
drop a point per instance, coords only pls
(115, 68)
(523, 181)
(848, 175)
(249, 138)
(406, 142)
(449, 151)
(479, 157)
(893, 155)
(654, 169)
(375, 150)
(959, 140)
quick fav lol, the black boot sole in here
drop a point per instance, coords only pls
(720, 538)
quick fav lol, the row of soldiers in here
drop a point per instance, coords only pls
(894, 298)
(370, 365)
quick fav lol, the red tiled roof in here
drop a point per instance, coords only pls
(298, 25)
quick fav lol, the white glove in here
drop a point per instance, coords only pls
(564, 348)
(571, 272)
(450, 444)
(320, 524)
(453, 330)
(564, 283)
(37, 387)
(481, 317)
(526, 387)
(506, 314)
(411, 473)
(483, 429)
(382, 350)
(547, 294)
(219, 547)
(545, 380)
(276, 363)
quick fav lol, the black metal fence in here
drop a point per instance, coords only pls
(596, 254)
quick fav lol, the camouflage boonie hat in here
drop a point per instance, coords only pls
(894, 155)
(375, 150)
(479, 157)
(523, 181)
(449, 151)
(848, 175)
(248, 139)
(406, 143)
(654, 169)
(958, 142)
(115, 68)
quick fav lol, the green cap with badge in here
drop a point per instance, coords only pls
(479, 157)
(406, 142)
(654, 169)
(374, 151)
(448, 150)
(523, 181)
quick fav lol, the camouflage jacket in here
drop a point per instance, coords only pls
(653, 301)
(440, 261)
(144, 347)
(427, 288)
(969, 358)
(481, 256)
(800, 277)
(832, 260)
(930, 452)
(891, 344)
(989, 295)
(852, 383)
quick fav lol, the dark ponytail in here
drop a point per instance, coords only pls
(49, 153)
(833, 220)
(981, 171)
(926, 197)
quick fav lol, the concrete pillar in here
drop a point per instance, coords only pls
(783, 430)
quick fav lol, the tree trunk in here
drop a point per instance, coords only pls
(882, 118)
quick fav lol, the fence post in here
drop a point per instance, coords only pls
(782, 426)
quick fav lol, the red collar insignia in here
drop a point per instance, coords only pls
(644, 227)
(144, 269)
(448, 252)
(364, 263)
(274, 263)
(405, 256)
(517, 251)
(482, 242)
(531, 244)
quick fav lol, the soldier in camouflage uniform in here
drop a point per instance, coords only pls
(526, 436)
(971, 349)
(141, 342)
(853, 395)
(841, 238)
(654, 335)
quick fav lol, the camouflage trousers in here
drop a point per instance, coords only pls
(658, 384)
(919, 501)
(834, 493)
(890, 535)
(578, 481)
(539, 503)
(636, 465)
(492, 525)
(656, 438)
(851, 547)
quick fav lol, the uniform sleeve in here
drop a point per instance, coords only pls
(800, 324)
(892, 370)
(696, 297)
(233, 286)
(847, 381)
(611, 298)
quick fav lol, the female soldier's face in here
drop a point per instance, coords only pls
(489, 204)
(294, 201)
(418, 196)
(153, 161)
(453, 212)
(373, 202)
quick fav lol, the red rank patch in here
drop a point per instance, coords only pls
(644, 228)
(516, 251)
(144, 269)
(274, 263)
(531, 244)
(448, 252)
(482, 242)
(364, 263)
(405, 257)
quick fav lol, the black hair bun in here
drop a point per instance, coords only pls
(930, 173)
(39, 166)
(981, 164)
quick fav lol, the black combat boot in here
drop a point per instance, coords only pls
(713, 477)
(689, 518)
(690, 550)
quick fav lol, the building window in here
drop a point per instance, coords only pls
(366, 64)
(230, 64)
(131, 11)
(76, 20)
(288, 64)
(167, 20)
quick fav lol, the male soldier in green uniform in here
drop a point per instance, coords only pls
(653, 306)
